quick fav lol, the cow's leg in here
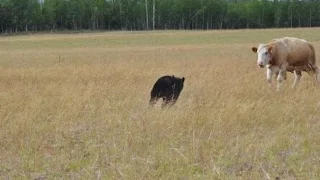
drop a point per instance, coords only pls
(317, 73)
(313, 71)
(285, 76)
(297, 75)
(269, 76)
(280, 77)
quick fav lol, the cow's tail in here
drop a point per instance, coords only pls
(313, 62)
(312, 57)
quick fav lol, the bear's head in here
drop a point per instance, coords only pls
(179, 84)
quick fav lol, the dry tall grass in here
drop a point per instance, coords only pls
(76, 107)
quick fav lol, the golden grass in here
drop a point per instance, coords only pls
(76, 107)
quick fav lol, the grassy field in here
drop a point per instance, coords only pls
(76, 107)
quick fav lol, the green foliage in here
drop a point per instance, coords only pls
(34, 15)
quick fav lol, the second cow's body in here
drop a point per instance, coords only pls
(286, 54)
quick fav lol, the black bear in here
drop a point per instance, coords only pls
(168, 88)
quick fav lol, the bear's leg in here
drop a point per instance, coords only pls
(165, 101)
(169, 100)
(153, 101)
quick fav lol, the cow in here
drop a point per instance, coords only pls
(168, 88)
(287, 54)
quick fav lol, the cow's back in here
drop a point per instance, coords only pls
(299, 52)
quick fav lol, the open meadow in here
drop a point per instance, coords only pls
(75, 106)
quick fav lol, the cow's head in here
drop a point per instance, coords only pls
(264, 54)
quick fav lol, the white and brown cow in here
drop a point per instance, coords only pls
(287, 54)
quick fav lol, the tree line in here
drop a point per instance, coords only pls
(47, 15)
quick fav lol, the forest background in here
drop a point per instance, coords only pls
(53, 15)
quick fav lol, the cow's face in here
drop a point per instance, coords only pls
(264, 55)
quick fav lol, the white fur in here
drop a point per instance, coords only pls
(280, 78)
(270, 71)
(286, 58)
(263, 55)
(269, 76)
(296, 79)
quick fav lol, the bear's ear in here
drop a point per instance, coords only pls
(182, 80)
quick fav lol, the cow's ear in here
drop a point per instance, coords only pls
(182, 80)
(254, 49)
(270, 49)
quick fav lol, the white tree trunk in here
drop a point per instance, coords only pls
(291, 19)
(147, 20)
(153, 14)
(310, 18)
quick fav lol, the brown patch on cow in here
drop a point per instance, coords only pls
(291, 54)
(295, 54)
(270, 49)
